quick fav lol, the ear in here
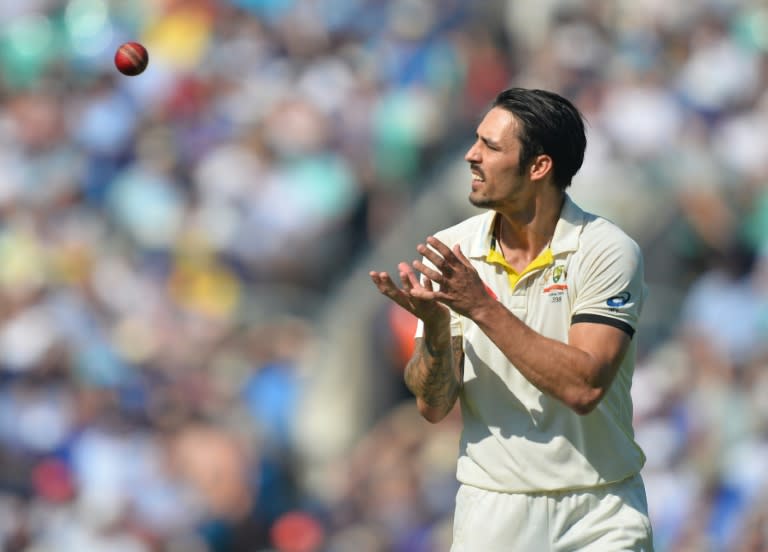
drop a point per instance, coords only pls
(541, 167)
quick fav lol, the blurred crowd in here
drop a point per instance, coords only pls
(167, 240)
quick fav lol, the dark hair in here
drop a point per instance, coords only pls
(549, 124)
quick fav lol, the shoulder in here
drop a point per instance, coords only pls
(601, 235)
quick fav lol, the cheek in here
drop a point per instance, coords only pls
(507, 179)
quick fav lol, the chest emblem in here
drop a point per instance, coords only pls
(556, 283)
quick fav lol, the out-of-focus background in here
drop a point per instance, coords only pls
(192, 357)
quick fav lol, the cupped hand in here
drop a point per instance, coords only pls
(414, 297)
(459, 284)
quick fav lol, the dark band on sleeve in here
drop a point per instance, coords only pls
(598, 319)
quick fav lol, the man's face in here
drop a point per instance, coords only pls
(497, 178)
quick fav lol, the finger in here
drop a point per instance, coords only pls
(375, 276)
(431, 255)
(379, 277)
(407, 276)
(401, 297)
(408, 281)
(440, 247)
(405, 281)
(387, 287)
(425, 292)
(460, 255)
(382, 280)
(406, 270)
(429, 272)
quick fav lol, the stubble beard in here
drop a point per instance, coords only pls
(482, 202)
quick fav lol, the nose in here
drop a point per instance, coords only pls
(473, 154)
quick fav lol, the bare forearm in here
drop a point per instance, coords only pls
(434, 374)
(558, 369)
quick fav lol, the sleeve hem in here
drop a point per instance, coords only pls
(599, 319)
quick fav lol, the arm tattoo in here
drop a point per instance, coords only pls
(435, 375)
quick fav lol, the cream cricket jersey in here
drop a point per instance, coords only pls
(515, 438)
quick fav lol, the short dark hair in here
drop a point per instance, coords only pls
(549, 124)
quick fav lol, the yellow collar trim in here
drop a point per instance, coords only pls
(544, 259)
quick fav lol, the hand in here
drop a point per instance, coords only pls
(413, 297)
(460, 286)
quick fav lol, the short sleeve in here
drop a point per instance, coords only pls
(611, 286)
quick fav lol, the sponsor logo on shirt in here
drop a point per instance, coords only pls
(619, 300)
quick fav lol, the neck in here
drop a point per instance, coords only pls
(523, 234)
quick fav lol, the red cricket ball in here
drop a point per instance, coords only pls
(131, 58)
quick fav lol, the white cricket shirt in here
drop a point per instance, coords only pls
(515, 438)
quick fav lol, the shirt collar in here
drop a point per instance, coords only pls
(568, 228)
(565, 238)
(480, 245)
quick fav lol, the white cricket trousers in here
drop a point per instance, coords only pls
(611, 518)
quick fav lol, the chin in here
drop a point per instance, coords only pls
(483, 202)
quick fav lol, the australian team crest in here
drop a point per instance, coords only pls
(556, 283)
(557, 273)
